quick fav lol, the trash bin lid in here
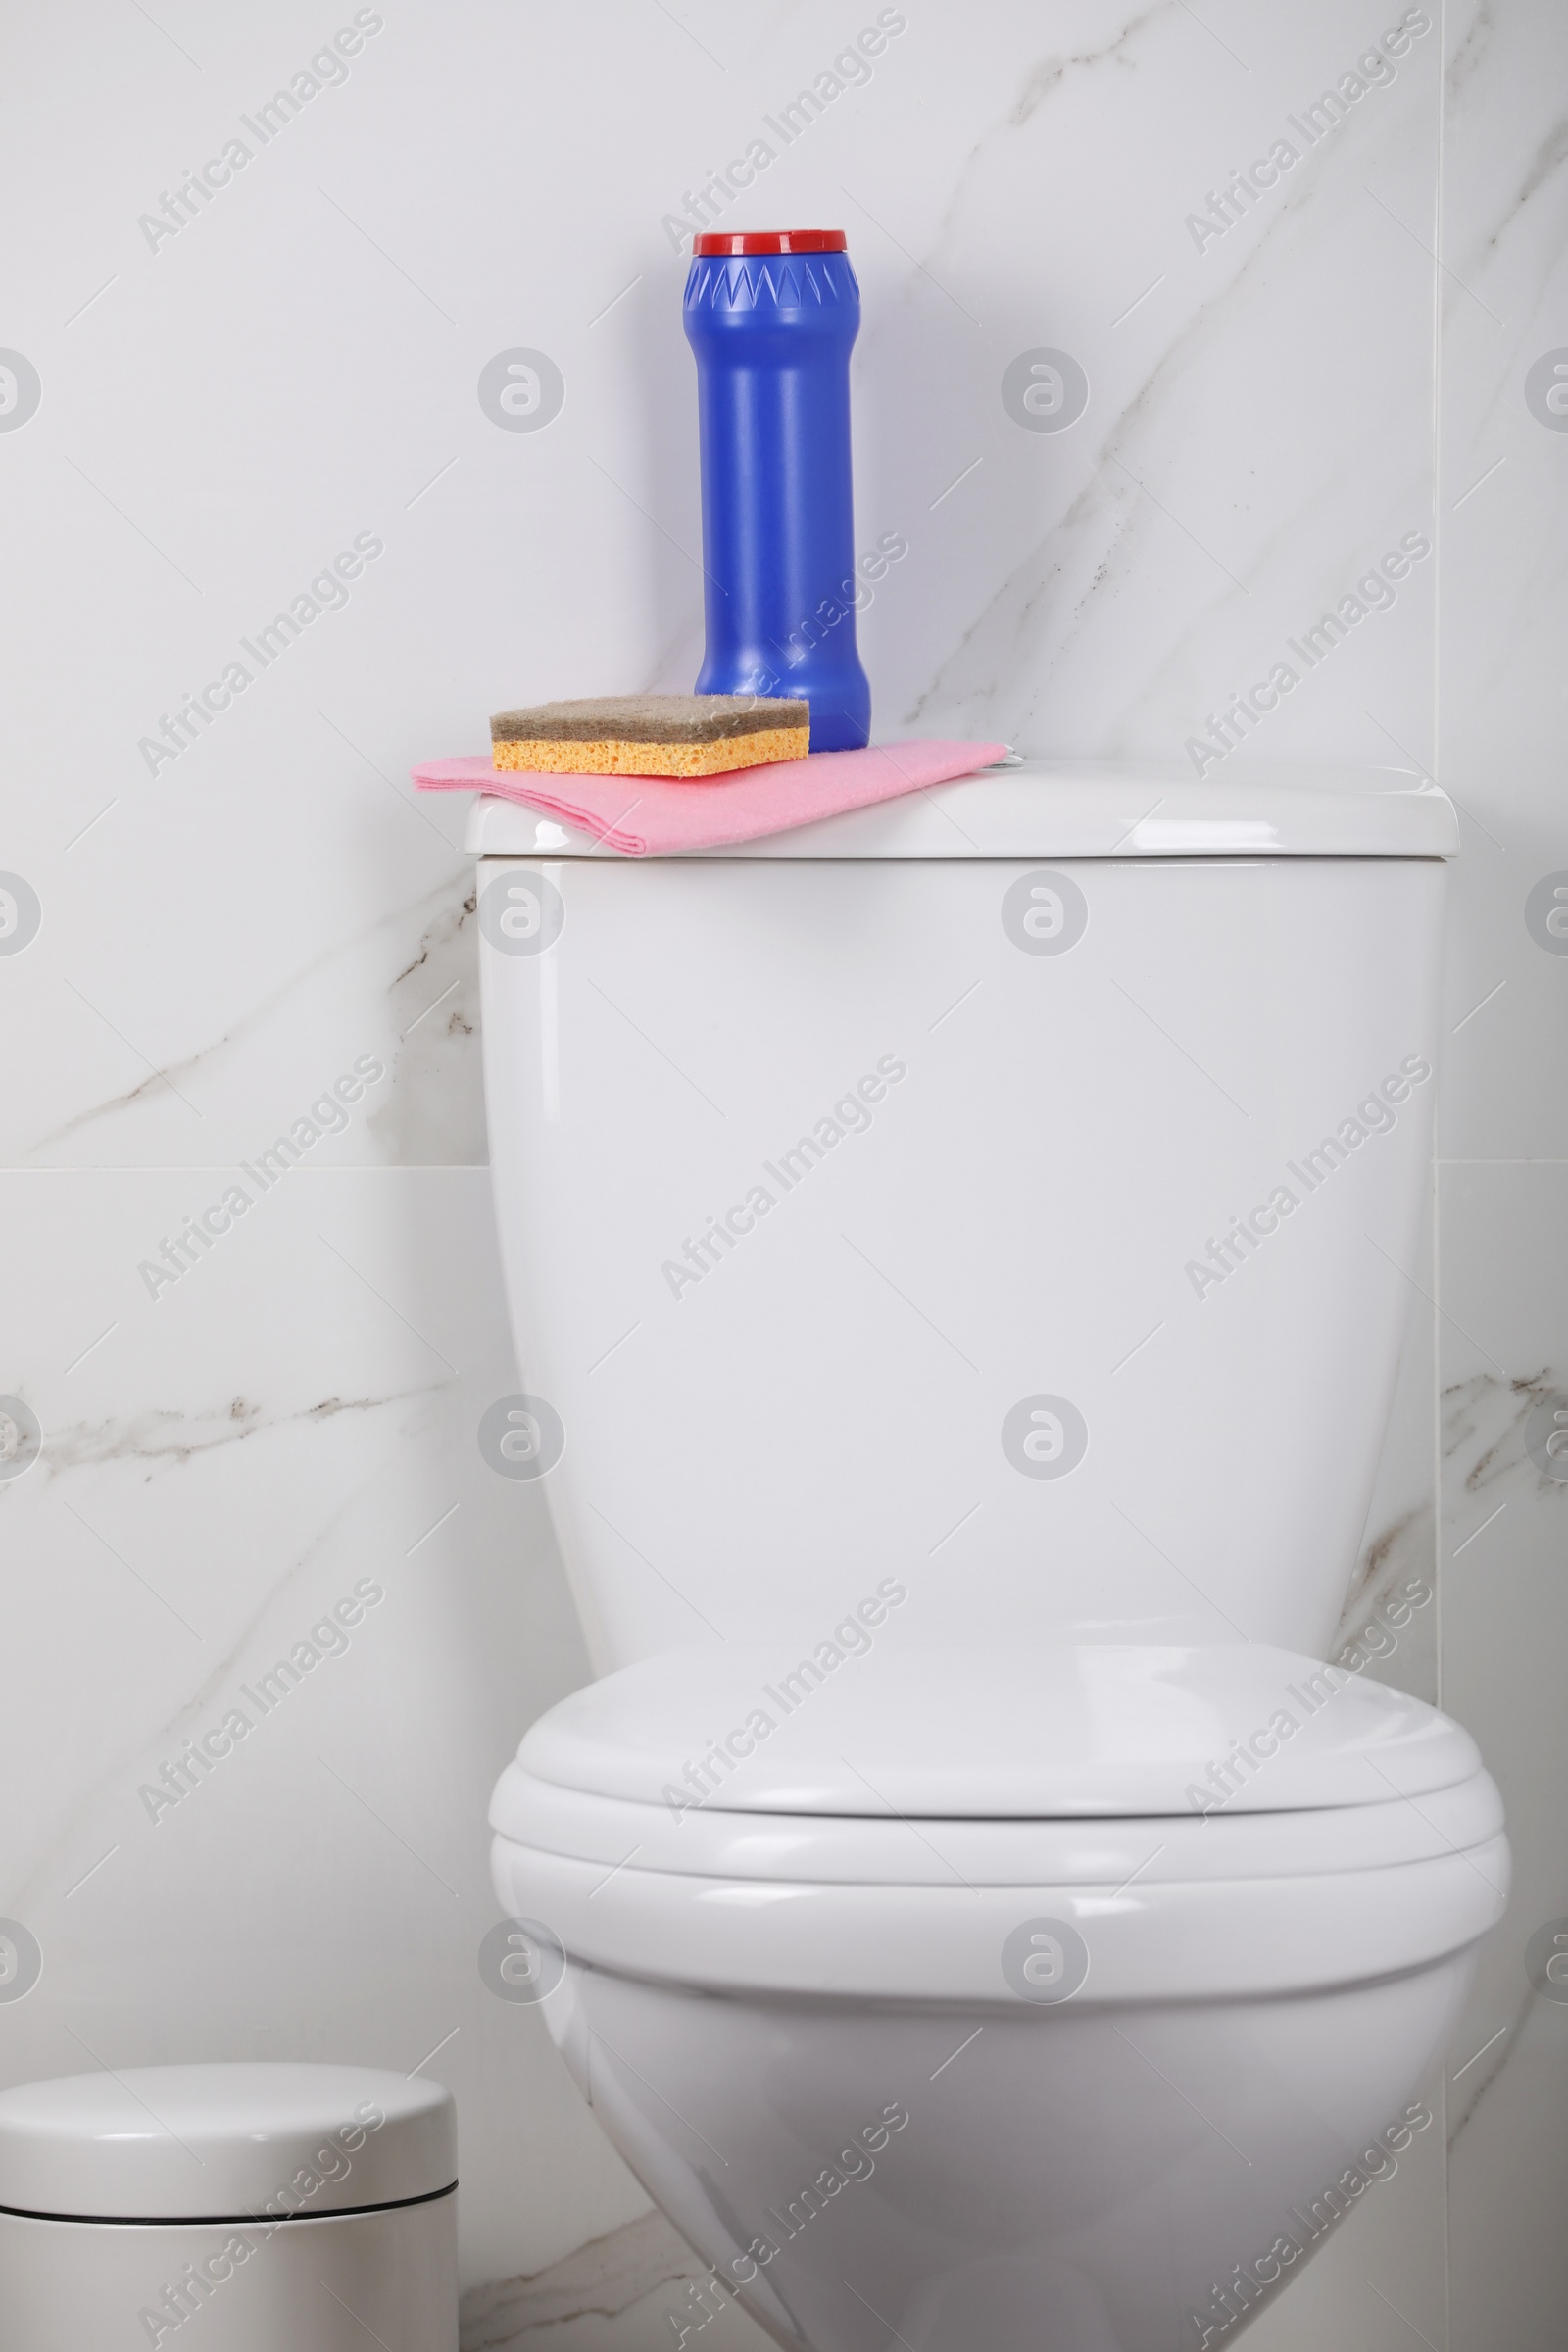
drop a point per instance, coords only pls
(197, 2143)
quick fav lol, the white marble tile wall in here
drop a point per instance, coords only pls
(212, 396)
(1504, 1534)
(1504, 1188)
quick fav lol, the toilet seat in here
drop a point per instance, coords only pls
(1060, 1784)
(1216, 1940)
(859, 1851)
(1079, 1730)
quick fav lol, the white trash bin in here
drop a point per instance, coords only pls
(228, 2209)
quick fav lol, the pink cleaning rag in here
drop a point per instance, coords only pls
(649, 815)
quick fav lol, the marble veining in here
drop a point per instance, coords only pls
(1002, 670)
(422, 1019)
(163, 1435)
(1483, 1425)
(602, 2279)
(1551, 153)
(433, 1112)
(1399, 1555)
(1470, 49)
(1046, 78)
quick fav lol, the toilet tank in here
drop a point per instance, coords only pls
(988, 1218)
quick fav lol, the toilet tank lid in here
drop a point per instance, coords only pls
(258, 2143)
(1078, 809)
(1084, 1730)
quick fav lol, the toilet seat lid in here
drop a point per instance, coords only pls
(1078, 1731)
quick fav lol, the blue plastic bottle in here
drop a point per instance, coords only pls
(771, 317)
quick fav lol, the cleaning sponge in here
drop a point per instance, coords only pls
(651, 735)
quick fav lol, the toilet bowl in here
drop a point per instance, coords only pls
(956, 1255)
(1015, 2046)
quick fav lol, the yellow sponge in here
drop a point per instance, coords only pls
(680, 735)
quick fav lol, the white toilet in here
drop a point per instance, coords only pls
(959, 1255)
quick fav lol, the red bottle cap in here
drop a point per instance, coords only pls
(771, 240)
